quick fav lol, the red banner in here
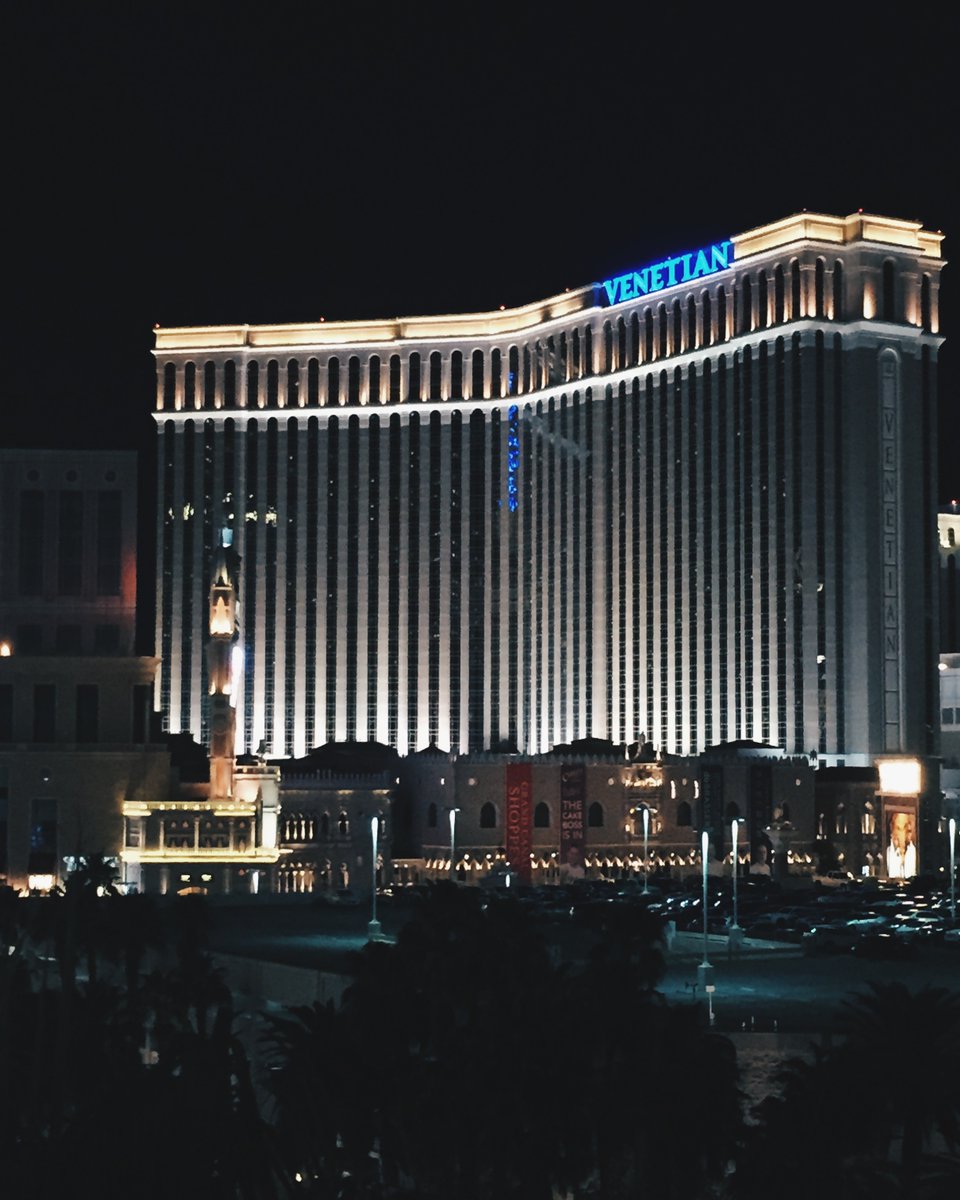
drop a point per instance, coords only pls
(519, 782)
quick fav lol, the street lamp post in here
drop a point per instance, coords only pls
(735, 937)
(374, 929)
(952, 834)
(453, 842)
(646, 861)
(705, 970)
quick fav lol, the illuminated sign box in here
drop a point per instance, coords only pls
(899, 776)
(668, 273)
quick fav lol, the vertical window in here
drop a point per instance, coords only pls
(373, 378)
(395, 378)
(925, 309)
(230, 384)
(496, 373)
(273, 383)
(313, 381)
(413, 377)
(209, 384)
(513, 371)
(663, 349)
(436, 373)
(818, 287)
(108, 543)
(762, 301)
(456, 375)
(88, 712)
(838, 291)
(44, 712)
(333, 381)
(31, 543)
(169, 386)
(595, 816)
(190, 385)
(888, 306)
(795, 313)
(476, 386)
(745, 296)
(253, 385)
(778, 295)
(70, 544)
(353, 380)
(293, 384)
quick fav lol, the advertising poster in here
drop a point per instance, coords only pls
(519, 821)
(573, 788)
(900, 830)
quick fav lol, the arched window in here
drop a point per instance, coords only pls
(513, 371)
(926, 323)
(745, 315)
(662, 331)
(526, 368)
(576, 354)
(621, 343)
(721, 313)
(488, 816)
(324, 824)
(373, 379)
(476, 370)
(707, 320)
(607, 346)
(496, 373)
(396, 377)
(209, 384)
(588, 351)
(795, 312)
(413, 376)
(838, 291)
(818, 287)
(273, 383)
(431, 816)
(541, 816)
(778, 295)
(353, 379)
(190, 385)
(293, 384)
(169, 386)
(677, 328)
(229, 384)
(595, 816)
(691, 342)
(313, 381)
(888, 305)
(763, 314)
(436, 373)
(343, 823)
(333, 381)
(840, 824)
(635, 343)
(456, 375)
(684, 815)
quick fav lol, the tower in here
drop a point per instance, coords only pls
(222, 697)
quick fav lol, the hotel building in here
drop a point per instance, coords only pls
(695, 503)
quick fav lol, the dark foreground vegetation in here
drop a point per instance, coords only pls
(465, 1062)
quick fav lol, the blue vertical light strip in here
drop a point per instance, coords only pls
(513, 456)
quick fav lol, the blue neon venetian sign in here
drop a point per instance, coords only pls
(668, 273)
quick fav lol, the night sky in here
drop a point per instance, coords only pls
(232, 165)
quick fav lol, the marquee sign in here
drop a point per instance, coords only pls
(668, 273)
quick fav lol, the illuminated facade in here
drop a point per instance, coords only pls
(694, 502)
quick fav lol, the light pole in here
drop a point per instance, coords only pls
(373, 929)
(453, 842)
(735, 936)
(646, 861)
(952, 834)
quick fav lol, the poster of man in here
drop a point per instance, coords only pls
(901, 843)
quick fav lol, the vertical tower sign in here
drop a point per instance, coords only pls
(519, 783)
